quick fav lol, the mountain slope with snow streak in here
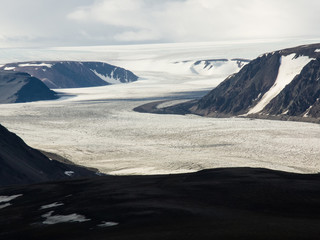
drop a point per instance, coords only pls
(71, 74)
(283, 84)
(290, 66)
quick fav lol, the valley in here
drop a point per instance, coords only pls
(97, 127)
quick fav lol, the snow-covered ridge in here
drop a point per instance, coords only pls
(210, 67)
(290, 66)
(35, 65)
(218, 66)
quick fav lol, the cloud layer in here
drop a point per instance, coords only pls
(89, 22)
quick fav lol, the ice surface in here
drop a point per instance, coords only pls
(54, 219)
(4, 199)
(289, 68)
(216, 68)
(52, 205)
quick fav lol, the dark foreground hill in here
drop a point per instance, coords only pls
(21, 164)
(17, 87)
(283, 84)
(71, 74)
(234, 203)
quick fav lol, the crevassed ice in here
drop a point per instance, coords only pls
(289, 68)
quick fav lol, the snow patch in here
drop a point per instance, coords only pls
(36, 65)
(289, 68)
(317, 50)
(4, 199)
(106, 78)
(5, 205)
(9, 68)
(69, 173)
(52, 205)
(307, 111)
(54, 219)
(108, 224)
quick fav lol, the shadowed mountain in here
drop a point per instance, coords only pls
(21, 164)
(234, 203)
(17, 87)
(71, 74)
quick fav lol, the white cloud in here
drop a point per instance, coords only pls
(134, 36)
(125, 13)
(92, 22)
(202, 20)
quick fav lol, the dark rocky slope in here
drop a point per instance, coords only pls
(71, 74)
(253, 90)
(17, 87)
(235, 203)
(21, 164)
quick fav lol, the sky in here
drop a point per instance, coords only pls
(52, 23)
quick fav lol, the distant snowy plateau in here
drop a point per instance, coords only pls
(97, 127)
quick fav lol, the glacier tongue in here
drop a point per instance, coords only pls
(289, 68)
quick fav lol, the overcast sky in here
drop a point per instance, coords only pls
(49, 23)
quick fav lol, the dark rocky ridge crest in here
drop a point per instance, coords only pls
(72, 74)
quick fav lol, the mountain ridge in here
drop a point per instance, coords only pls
(73, 74)
(282, 85)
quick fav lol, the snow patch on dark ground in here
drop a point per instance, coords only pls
(54, 219)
